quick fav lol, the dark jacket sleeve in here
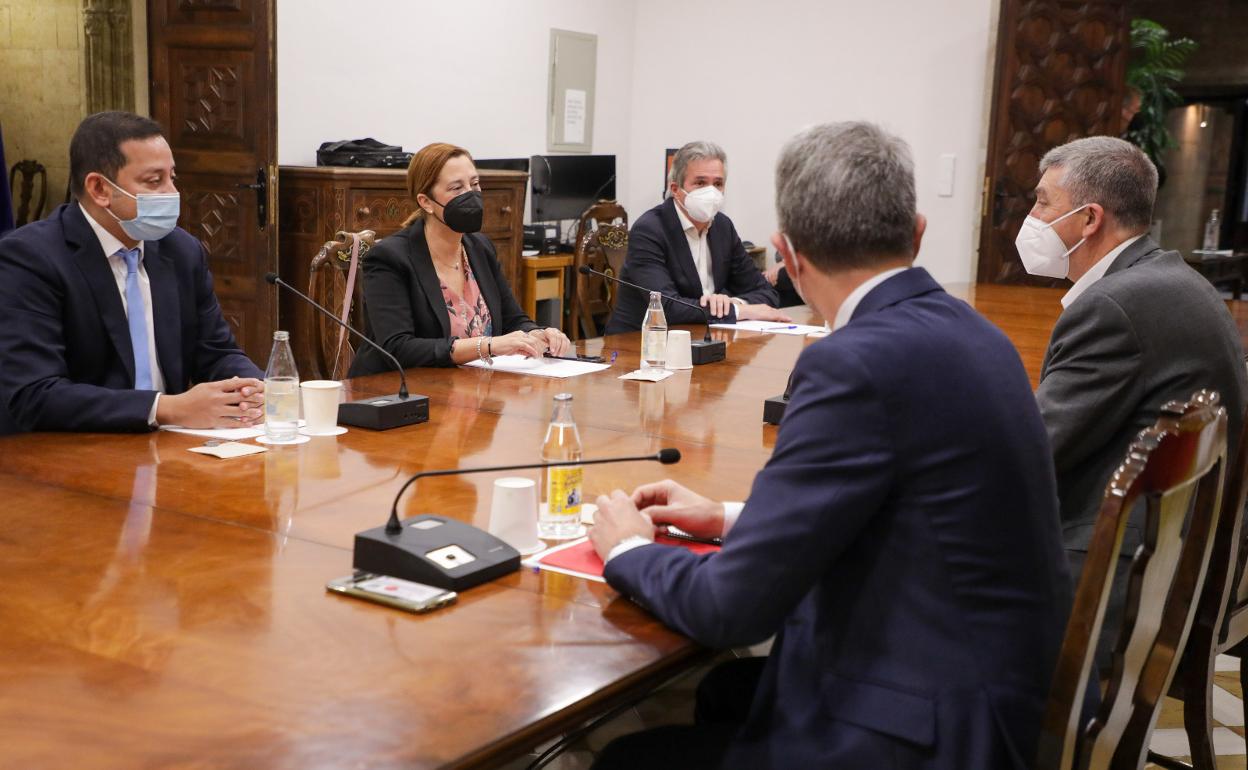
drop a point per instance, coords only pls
(807, 506)
(511, 316)
(34, 375)
(649, 265)
(1091, 381)
(217, 355)
(745, 280)
(390, 288)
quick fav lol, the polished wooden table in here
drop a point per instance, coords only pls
(163, 608)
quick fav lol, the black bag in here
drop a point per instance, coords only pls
(362, 153)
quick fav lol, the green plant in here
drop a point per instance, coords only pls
(1155, 66)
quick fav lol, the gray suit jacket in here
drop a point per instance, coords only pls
(1150, 331)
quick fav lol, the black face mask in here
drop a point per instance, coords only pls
(464, 213)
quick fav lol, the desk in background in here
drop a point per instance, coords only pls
(1220, 269)
(544, 278)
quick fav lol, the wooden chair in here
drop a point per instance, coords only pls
(601, 243)
(1177, 467)
(1221, 625)
(28, 171)
(330, 283)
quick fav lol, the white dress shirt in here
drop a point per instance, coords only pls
(111, 247)
(1096, 272)
(699, 248)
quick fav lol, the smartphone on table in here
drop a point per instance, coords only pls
(392, 592)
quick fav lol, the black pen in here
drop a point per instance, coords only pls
(680, 534)
(586, 359)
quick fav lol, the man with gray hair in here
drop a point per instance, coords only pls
(1139, 328)
(908, 515)
(685, 247)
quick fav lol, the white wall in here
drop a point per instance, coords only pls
(749, 75)
(744, 73)
(469, 72)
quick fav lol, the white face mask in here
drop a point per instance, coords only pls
(1042, 250)
(703, 203)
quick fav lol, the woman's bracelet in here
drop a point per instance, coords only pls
(488, 354)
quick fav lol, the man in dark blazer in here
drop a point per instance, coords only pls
(1139, 328)
(74, 354)
(902, 542)
(684, 247)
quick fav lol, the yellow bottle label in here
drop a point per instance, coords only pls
(563, 494)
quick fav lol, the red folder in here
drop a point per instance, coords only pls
(583, 558)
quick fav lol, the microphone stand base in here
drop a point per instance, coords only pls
(773, 409)
(384, 413)
(703, 352)
(437, 551)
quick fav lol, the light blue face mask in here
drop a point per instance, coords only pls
(156, 214)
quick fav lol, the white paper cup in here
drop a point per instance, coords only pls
(679, 352)
(320, 406)
(513, 514)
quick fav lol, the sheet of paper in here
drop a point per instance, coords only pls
(229, 450)
(770, 327)
(222, 434)
(574, 116)
(546, 367)
(648, 375)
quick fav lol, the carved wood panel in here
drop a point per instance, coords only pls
(211, 108)
(218, 12)
(218, 219)
(1060, 76)
(214, 90)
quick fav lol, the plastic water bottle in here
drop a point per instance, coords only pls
(281, 392)
(654, 334)
(1212, 228)
(560, 512)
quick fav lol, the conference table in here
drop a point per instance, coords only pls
(160, 607)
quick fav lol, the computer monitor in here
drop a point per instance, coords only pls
(563, 186)
(502, 164)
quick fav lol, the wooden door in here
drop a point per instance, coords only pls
(213, 88)
(1060, 75)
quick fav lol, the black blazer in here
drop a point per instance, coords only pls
(403, 306)
(659, 259)
(66, 362)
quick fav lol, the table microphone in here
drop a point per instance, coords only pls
(445, 552)
(773, 408)
(704, 351)
(379, 412)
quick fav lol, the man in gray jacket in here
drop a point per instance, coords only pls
(1139, 328)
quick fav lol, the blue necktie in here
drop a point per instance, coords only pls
(137, 312)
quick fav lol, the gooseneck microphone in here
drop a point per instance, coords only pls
(448, 553)
(381, 412)
(704, 351)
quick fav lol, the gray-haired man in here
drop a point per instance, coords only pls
(1139, 328)
(883, 534)
(685, 247)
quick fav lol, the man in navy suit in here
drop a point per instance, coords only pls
(684, 247)
(110, 321)
(902, 543)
